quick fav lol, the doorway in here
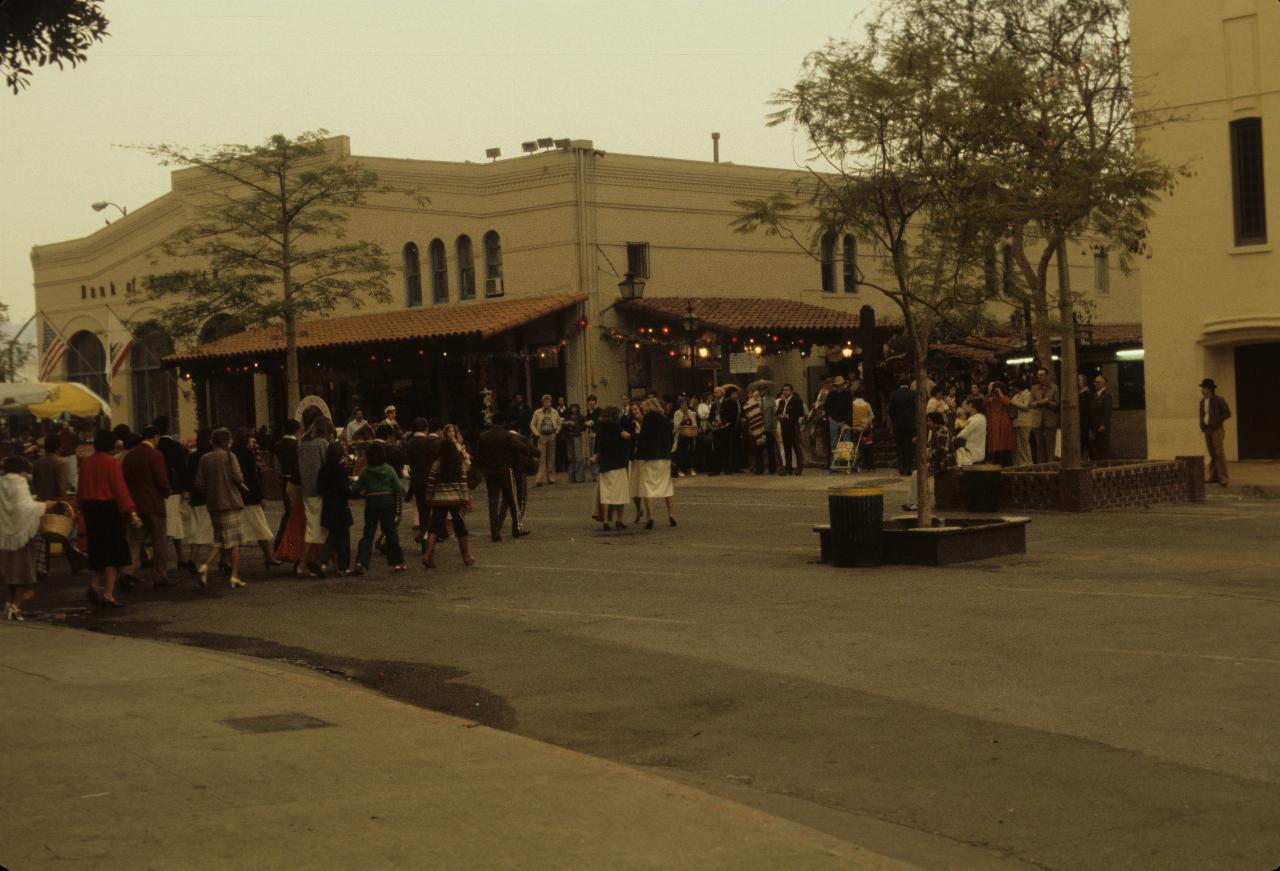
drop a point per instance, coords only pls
(1257, 413)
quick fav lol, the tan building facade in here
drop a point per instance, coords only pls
(566, 223)
(1211, 289)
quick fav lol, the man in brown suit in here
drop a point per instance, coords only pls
(148, 483)
(1213, 413)
(1045, 400)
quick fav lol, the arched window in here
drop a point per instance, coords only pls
(850, 264)
(439, 272)
(412, 275)
(466, 268)
(87, 362)
(219, 327)
(492, 264)
(828, 257)
(155, 390)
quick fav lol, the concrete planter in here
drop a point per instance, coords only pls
(953, 540)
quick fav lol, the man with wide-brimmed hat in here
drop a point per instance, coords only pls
(1213, 413)
(726, 435)
(839, 408)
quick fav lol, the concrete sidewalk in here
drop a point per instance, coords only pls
(125, 754)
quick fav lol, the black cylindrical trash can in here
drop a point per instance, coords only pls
(981, 488)
(857, 520)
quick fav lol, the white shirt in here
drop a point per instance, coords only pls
(975, 441)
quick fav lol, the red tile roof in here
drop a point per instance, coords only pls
(479, 320)
(743, 314)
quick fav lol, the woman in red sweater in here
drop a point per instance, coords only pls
(105, 502)
(1000, 436)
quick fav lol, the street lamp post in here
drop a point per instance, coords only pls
(102, 204)
(690, 322)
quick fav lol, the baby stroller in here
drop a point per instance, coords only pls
(844, 453)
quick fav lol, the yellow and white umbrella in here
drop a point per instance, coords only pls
(47, 400)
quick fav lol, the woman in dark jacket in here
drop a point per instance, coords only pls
(335, 510)
(613, 454)
(653, 461)
(253, 520)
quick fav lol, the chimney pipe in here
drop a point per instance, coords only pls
(715, 147)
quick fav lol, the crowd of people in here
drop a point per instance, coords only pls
(139, 497)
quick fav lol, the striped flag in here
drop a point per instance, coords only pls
(54, 350)
(119, 343)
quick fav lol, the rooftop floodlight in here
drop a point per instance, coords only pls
(493, 153)
(561, 143)
(546, 142)
(529, 147)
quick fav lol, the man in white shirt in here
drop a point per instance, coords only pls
(352, 431)
(545, 425)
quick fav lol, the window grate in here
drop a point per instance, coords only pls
(1249, 199)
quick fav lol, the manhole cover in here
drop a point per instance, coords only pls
(275, 723)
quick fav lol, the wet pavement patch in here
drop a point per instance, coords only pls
(426, 685)
(291, 722)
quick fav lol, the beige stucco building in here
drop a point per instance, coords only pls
(507, 280)
(1211, 289)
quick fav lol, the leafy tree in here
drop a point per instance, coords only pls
(904, 151)
(268, 243)
(14, 353)
(43, 32)
(1074, 167)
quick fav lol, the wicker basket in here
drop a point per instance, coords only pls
(57, 527)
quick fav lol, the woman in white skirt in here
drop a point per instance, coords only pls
(20, 514)
(253, 520)
(631, 422)
(653, 461)
(613, 452)
(197, 527)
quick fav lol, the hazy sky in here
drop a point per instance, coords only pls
(435, 80)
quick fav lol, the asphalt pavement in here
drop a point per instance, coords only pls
(1105, 701)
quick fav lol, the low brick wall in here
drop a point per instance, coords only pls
(1115, 484)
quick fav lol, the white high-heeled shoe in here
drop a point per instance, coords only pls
(236, 582)
(13, 612)
(202, 575)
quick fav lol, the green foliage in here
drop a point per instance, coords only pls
(269, 241)
(43, 32)
(14, 353)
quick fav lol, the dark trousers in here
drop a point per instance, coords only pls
(380, 511)
(684, 453)
(904, 442)
(284, 518)
(791, 448)
(441, 513)
(726, 460)
(1100, 448)
(338, 547)
(502, 498)
(769, 449)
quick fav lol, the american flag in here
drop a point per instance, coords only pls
(54, 350)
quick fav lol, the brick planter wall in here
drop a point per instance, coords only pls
(1116, 484)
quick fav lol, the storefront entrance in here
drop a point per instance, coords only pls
(1257, 412)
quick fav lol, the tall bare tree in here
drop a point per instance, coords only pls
(901, 159)
(268, 243)
(1058, 73)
